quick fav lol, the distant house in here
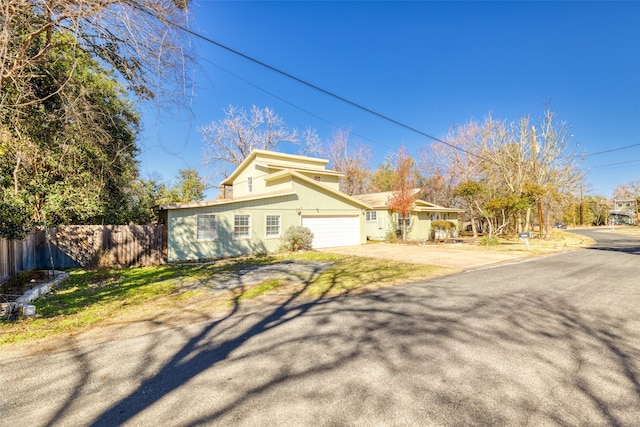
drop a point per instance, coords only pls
(380, 220)
(624, 211)
(270, 192)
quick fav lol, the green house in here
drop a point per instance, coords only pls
(380, 220)
(270, 192)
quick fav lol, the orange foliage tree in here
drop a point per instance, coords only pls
(403, 189)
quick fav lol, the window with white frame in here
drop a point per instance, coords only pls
(241, 226)
(206, 227)
(250, 184)
(406, 219)
(372, 216)
(273, 225)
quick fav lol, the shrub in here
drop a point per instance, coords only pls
(442, 229)
(442, 224)
(489, 241)
(296, 239)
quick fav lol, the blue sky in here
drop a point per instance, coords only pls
(430, 65)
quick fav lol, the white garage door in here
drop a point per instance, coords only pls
(333, 231)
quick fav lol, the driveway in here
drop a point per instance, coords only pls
(446, 256)
(552, 341)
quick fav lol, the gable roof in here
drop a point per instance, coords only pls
(299, 169)
(381, 201)
(284, 173)
(275, 155)
(293, 173)
(219, 202)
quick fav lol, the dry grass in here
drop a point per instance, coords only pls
(558, 241)
(628, 230)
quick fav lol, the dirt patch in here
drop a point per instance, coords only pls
(24, 282)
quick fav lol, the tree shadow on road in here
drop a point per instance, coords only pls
(432, 353)
(199, 354)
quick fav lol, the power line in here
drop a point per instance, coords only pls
(611, 165)
(612, 150)
(294, 105)
(326, 92)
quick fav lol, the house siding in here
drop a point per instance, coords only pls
(420, 228)
(321, 202)
(258, 170)
(182, 244)
(330, 181)
(257, 174)
(280, 184)
(307, 201)
(377, 230)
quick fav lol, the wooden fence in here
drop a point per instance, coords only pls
(19, 255)
(84, 246)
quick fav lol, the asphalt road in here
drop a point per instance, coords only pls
(545, 342)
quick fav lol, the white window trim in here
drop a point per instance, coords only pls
(243, 237)
(371, 213)
(266, 227)
(215, 223)
(407, 219)
(250, 185)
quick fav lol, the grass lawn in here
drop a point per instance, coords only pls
(110, 301)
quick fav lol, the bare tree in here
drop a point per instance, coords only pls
(518, 169)
(141, 40)
(231, 139)
(437, 185)
(350, 159)
(555, 164)
(447, 166)
(627, 191)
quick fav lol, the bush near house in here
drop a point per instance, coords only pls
(297, 239)
(442, 229)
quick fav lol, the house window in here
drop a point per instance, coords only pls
(372, 216)
(407, 220)
(206, 227)
(250, 184)
(241, 226)
(273, 225)
(317, 178)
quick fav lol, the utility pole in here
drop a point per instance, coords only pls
(637, 213)
(535, 169)
(581, 207)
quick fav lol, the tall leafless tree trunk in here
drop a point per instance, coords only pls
(350, 159)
